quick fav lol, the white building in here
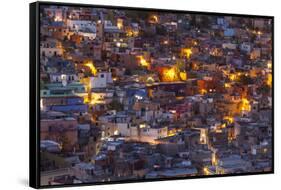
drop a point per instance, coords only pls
(109, 27)
(81, 25)
(101, 80)
(63, 77)
(246, 47)
(50, 48)
(143, 132)
(88, 34)
(229, 46)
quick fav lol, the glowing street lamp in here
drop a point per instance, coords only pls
(155, 18)
(229, 119)
(187, 52)
(245, 105)
(165, 42)
(91, 67)
(171, 74)
(119, 24)
(142, 61)
(269, 65)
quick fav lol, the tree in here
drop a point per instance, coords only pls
(245, 80)
(65, 38)
(115, 104)
(65, 143)
(110, 15)
(128, 71)
(264, 89)
(136, 16)
(161, 30)
(180, 66)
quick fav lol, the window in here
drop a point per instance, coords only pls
(102, 76)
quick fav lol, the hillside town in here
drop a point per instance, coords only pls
(143, 95)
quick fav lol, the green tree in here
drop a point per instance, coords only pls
(115, 105)
(245, 80)
(264, 89)
(180, 66)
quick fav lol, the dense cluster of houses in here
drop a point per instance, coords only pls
(128, 95)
